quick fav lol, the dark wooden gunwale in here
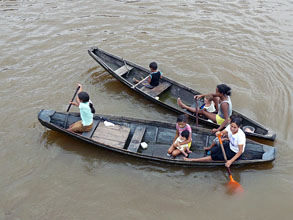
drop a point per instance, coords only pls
(269, 136)
(54, 127)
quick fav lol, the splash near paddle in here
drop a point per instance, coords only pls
(232, 186)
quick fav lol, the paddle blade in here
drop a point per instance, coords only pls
(234, 187)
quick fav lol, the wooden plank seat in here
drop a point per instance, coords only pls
(123, 69)
(156, 91)
(89, 134)
(113, 136)
(136, 139)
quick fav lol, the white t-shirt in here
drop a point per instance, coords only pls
(236, 139)
(210, 108)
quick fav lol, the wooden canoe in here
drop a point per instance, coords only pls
(167, 92)
(127, 134)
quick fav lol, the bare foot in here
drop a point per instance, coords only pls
(135, 80)
(179, 103)
(186, 159)
(189, 151)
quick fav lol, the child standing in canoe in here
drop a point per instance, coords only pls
(176, 148)
(86, 109)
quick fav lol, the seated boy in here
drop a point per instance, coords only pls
(154, 77)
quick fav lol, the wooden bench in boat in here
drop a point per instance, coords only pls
(89, 134)
(113, 136)
(136, 139)
(156, 91)
(123, 69)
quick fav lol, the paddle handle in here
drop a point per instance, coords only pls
(196, 112)
(73, 98)
(224, 153)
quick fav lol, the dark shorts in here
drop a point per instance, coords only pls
(217, 154)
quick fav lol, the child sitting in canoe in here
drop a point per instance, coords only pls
(86, 109)
(182, 139)
(154, 77)
(184, 147)
(208, 105)
(223, 105)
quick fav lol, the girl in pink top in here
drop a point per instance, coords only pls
(180, 127)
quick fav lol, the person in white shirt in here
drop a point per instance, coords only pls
(233, 148)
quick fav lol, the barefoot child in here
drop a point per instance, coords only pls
(180, 127)
(86, 109)
(209, 104)
(184, 147)
(154, 77)
(223, 105)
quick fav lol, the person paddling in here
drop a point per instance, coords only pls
(233, 148)
(153, 79)
(86, 109)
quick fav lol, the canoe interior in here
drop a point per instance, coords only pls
(158, 136)
(168, 97)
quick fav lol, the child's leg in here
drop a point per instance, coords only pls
(183, 152)
(171, 149)
(188, 150)
(210, 147)
(176, 152)
(135, 80)
(75, 127)
(182, 105)
(202, 159)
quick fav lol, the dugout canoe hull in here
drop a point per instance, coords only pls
(168, 97)
(158, 136)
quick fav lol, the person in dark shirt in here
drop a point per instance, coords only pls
(154, 77)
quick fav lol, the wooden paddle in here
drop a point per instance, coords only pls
(233, 186)
(73, 98)
(196, 111)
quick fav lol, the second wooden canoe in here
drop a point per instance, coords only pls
(167, 92)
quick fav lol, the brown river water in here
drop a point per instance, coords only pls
(43, 55)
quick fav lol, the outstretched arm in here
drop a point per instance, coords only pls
(203, 95)
(77, 99)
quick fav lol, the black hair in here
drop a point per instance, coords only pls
(181, 118)
(236, 120)
(84, 97)
(224, 89)
(153, 65)
(185, 134)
